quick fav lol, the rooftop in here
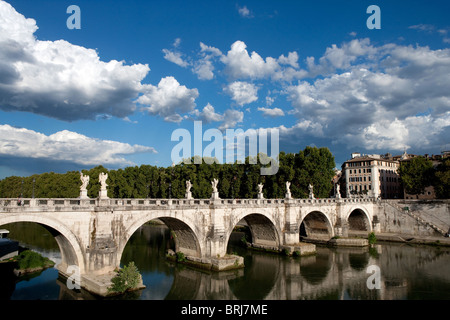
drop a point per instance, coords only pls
(371, 157)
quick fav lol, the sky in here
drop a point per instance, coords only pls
(113, 91)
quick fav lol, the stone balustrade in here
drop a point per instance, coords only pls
(73, 203)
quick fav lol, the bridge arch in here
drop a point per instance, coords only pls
(185, 235)
(358, 220)
(316, 225)
(263, 229)
(68, 243)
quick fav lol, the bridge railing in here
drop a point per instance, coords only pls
(96, 202)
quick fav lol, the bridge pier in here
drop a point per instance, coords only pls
(291, 232)
(341, 228)
(216, 238)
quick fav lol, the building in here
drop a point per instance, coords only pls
(371, 176)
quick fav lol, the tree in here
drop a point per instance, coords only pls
(238, 180)
(313, 166)
(442, 180)
(416, 174)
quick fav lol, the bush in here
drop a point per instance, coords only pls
(372, 238)
(180, 256)
(29, 260)
(244, 240)
(126, 279)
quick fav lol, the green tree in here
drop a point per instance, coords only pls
(442, 180)
(226, 177)
(416, 174)
(118, 186)
(313, 166)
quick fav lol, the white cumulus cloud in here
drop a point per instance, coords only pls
(175, 57)
(65, 146)
(204, 67)
(208, 114)
(242, 92)
(168, 99)
(391, 97)
(239, 64)
(271, 112)
(59, 79)
(231, 118)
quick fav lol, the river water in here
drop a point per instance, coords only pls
(389, 271)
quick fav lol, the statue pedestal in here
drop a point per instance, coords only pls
(311, 195)
(215, 195)
(288, 195)
(83, 194)
(260, 196)
(103, 194)
(188, 195)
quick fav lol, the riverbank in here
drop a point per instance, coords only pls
(28, 262)
(359, 239)
(403, 238)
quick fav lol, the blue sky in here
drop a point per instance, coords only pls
(113, 92)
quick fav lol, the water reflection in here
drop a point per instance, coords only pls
(407, 272)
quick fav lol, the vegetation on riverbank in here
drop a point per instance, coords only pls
(309, 166)
(29, 261)
(372, 238)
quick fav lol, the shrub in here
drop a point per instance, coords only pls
(244, 240)
(127, 278)
(29, 259)
(180, 256)
(372, 238)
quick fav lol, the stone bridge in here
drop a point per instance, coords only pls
(92, 233)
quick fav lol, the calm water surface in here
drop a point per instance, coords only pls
(406, 272)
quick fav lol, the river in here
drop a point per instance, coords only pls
(394, 271)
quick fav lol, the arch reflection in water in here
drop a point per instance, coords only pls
(315, 271)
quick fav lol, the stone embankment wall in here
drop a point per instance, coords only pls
(414, 217)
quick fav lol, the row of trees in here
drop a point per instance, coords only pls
(418, 173)
(310, 166)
